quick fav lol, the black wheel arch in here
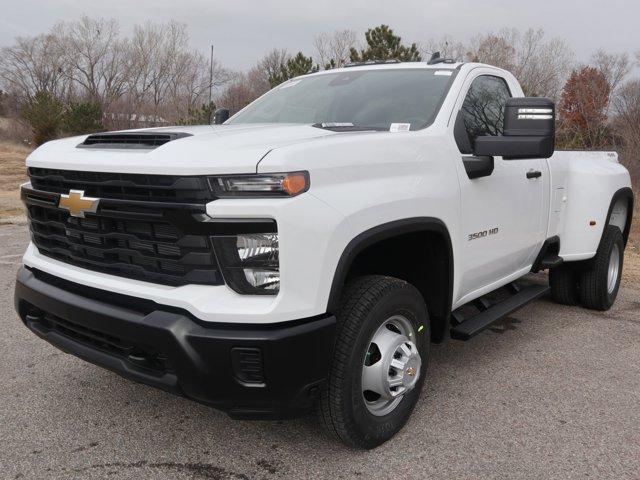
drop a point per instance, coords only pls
(627, 193)
(440, 316)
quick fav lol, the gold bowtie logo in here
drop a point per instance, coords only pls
(411, 371)
(78, 204)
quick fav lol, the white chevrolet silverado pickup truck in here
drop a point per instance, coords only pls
(308, 250)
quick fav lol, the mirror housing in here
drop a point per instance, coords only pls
(529, 130)
(220, 116)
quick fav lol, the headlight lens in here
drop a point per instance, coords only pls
(268, 185)
(250, 262)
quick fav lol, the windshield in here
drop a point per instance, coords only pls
(376, 99)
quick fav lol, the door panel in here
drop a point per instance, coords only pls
(501, 220)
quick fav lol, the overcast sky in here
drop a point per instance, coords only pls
(242, 31)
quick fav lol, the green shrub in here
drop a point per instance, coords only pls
(44, 114)
(82, 117)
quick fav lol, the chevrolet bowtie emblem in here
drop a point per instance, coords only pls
(78, 204)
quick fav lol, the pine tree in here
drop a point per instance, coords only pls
(44, 114)
(295, 66)
(382, 44)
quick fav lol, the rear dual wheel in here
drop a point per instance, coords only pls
(379, 361)
(593, 283)
(600, 281)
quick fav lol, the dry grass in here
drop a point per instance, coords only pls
(631, 272)
(12, 174)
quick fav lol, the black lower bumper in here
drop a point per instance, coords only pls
(272, 371)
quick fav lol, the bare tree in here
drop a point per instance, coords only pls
(498, 49)
(332, 50)
(165, 77)
(626, 123)
(541, 65)
(615, 67)
(243, 89)
(94, 57)
(33, 65)
(446, 46)
(272, 62)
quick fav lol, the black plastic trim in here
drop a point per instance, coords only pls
(385, 232)
(627, 193)
(131, 140)
(555, 240)
(478, 166)
(198, 353)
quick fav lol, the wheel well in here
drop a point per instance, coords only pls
(421, 257)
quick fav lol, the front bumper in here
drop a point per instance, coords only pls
(168, 348)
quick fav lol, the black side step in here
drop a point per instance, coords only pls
(550, 261)
(474, 325)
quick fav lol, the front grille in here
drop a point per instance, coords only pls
(132, 240)
(138, 355)
(123, 186)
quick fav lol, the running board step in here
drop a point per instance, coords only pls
(471, 327)
(552, 261)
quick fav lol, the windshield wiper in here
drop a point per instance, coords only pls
(346, 127)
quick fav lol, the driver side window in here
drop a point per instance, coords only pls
(483, 107)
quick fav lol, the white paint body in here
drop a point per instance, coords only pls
(360, 180)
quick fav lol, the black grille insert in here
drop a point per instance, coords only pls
(123, 186)
(125, 240)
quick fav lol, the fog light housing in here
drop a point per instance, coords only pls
(250, 262)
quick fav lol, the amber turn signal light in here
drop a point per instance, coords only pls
(295, 183)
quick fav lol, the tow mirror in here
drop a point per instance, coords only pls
(529, 130)
(220, 116)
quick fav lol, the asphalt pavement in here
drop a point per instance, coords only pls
(551, 392)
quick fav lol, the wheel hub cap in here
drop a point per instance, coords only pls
(391, 366)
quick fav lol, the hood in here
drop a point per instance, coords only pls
(208, 149)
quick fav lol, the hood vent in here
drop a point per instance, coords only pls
(130, 140)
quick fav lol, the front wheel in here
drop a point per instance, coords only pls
(379, 361)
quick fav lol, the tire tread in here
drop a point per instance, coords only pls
(593, 281)
(563, 281)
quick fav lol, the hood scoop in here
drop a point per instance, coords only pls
(130, 140)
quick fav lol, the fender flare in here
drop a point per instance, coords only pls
(627, 193)
(383, 232)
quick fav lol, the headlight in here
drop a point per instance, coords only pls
(250, 262)
(268, 185)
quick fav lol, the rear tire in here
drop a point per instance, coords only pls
(563, 281)
(350, 412)
(601, 276)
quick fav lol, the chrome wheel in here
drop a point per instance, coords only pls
(614, 269)
(391, 365)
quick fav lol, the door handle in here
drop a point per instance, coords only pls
(534, 174)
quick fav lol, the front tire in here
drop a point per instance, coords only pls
(600, 279)
(379, 361)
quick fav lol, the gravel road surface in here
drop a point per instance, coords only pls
(552, 392)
